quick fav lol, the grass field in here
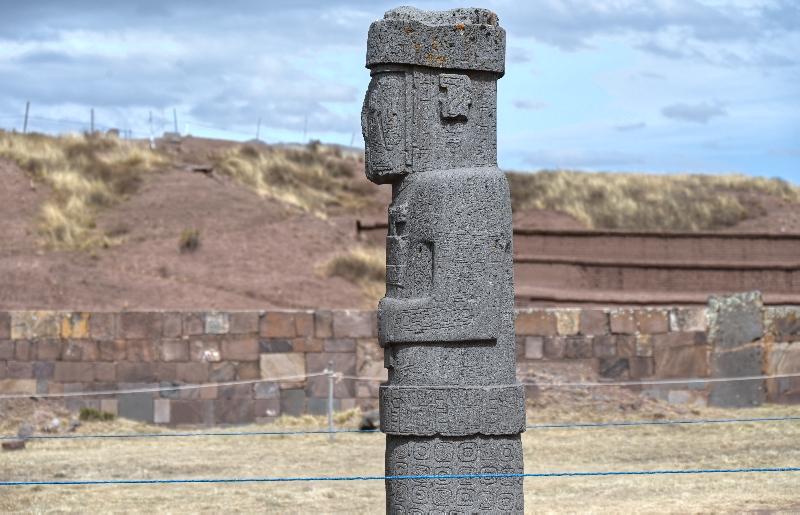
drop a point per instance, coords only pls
(772, 444)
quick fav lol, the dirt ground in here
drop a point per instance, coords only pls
(771, 444)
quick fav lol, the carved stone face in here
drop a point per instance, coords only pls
(383, 124)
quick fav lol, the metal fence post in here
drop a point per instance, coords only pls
(329, 372)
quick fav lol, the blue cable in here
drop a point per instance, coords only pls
(576, 425)
(659, 422)
(395, 478)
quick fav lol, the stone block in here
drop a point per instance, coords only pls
(136, 406)
(369, 360)
(577, 347)
(278, 324)
(235, 391)
(172, 325)
(161, 411)
(194, 324)
(174, 350)
(80, 350)
(7, 349)
(593, 322)
(19, 369)
(735, 320)
(339, 345)
(641, 367)
(741, 362)
(678, 339)
(293, 402)
(643, 345)
(614, 368)
(48, 350)
(29, 325)
(353, 323)
(343, 363)
(222, 372)
(266, 390)
(103, 326)
(141, 350)
(652, 321)
(44, 369)
(5, 325)
(18, 386)
(783, 323)
(317, 406)
(248, 370)
(109, 406)
(69, 372)
(23, 351)
(783, 358)
(554, 347)
(530, 322)
(105, 372)
(217, 323)
(133, 372)
(240, 348)
(622, 321)
(323, 324)
(192, 411)
(304, 323)
(112, 350)
(568, 321)
(243, 322)
(534, 347)
(604, 346)
(282, 364)
(75, 325)
(690, 397)
(688, 319)
(145, 325)
(681, 362)
(192, 372)
(276, 345)
(205, 351)
(307, 344)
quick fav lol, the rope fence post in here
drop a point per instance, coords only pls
(329, 372)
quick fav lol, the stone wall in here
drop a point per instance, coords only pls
(53, 352)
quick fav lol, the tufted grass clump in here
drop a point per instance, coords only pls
(638, 201)
(85, 172)
(313, 178)
(364, 266)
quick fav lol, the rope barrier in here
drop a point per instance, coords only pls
(395, 478)
(154, 389)
(575, 425)
(651, 382)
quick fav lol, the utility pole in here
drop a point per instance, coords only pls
(91, 121)
(305, 129)
(152, 137)
(25, 122)
(175, 119)
(258, 129)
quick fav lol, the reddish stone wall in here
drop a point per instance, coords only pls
(52, 352)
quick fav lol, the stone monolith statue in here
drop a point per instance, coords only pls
(452, 404)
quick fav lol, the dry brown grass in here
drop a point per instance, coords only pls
(632, 448)
(648, 202)
(364, 266)
(314, 178)
(85, 173)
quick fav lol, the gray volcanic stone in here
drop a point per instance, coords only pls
(735, 320)
(452, 404)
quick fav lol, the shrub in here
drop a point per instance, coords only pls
(95, 415)
(189, 240)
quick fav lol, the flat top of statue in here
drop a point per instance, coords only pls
(462, 15)
(457, 39)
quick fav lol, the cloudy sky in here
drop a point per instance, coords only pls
(662, 85)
